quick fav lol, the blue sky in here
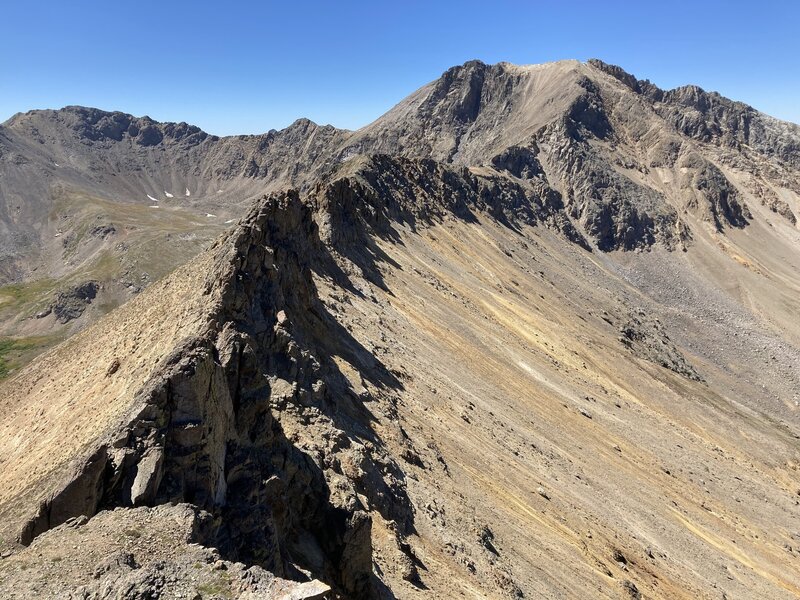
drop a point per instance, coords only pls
(246, 67)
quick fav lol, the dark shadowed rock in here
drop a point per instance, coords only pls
(70, 304)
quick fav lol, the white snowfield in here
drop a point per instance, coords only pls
(151, 198)
(210, 216)
(188, 193)
(168, 195)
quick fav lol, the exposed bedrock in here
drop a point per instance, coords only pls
(212, 429)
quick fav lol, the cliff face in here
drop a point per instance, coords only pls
(382, 191)
(217, 422)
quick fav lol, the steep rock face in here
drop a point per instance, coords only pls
(382, 190)
(715, 197)
(220, 413)
(519, 161)
(615, 211)
(277, 329)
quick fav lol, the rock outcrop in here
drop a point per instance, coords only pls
(382, 191)
(70, 304)
(646, 338)
(143, 553)
(217, 415)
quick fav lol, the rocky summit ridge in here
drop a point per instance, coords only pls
(532, 333)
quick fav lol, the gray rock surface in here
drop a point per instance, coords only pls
(138, 554)
(71, 303)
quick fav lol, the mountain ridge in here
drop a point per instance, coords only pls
(616, 71)
(424, 387)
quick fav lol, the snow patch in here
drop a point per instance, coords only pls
(229, 221)
(210, 216)
(188, 193)
(151, 198)
(168, 195)
(543, 380)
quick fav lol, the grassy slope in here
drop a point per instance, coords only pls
(145, 241)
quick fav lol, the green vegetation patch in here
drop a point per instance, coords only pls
(17, 352)
(5, 347)
(215, 589)
(14, 295)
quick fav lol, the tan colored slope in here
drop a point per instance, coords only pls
(54, 412)
(515, 380)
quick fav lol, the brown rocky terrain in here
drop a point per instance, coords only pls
(531, 334)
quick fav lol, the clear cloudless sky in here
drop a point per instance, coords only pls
(246, 67)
